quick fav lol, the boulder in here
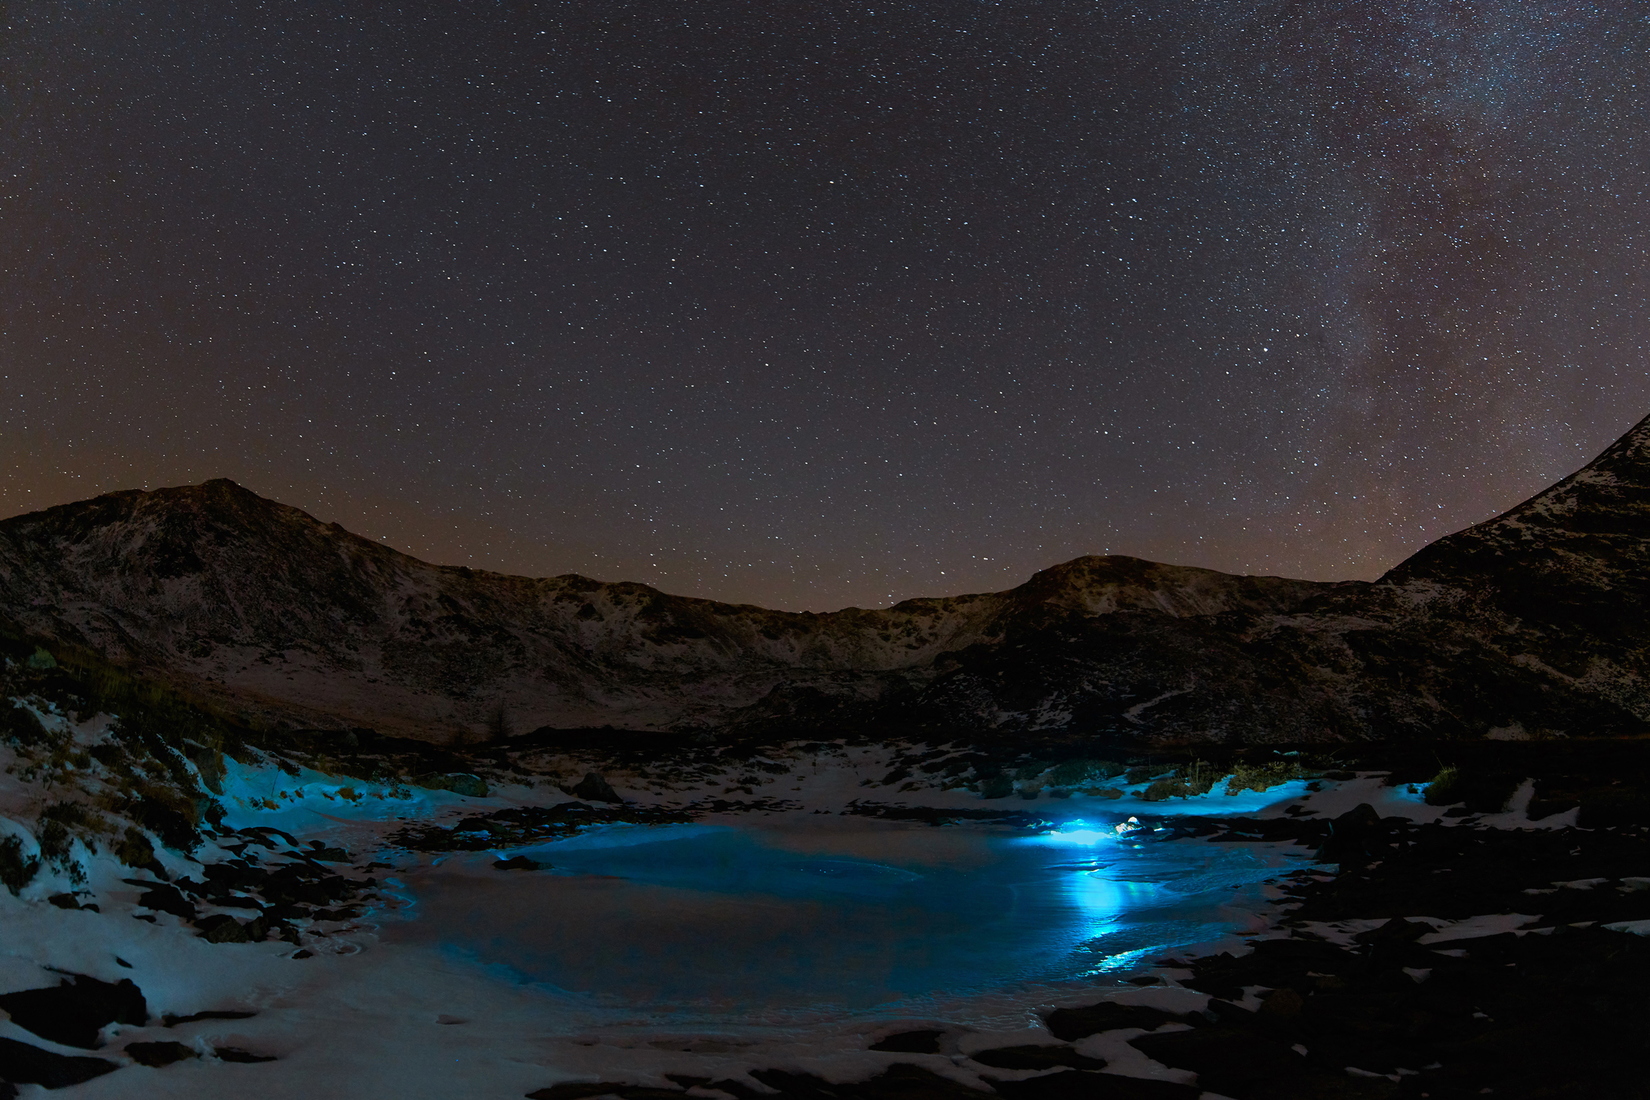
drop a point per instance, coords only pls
(76, 1010)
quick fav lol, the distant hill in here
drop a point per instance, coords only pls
(1531, 624)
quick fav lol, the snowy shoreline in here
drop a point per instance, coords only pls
(363, 1017)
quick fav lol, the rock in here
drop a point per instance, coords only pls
(1282, 1002)
(1070, 1024)
(166, 898)
(159, 1054)
(1354, 836)
(1035, 1057)
(909, 1042)
(236, 1054)
(1227, 1060)
(1396, 930)
(74, 1011)
(594, 788)
(170, 1020)
(222, 928)
(22, 1064)
(519, 863)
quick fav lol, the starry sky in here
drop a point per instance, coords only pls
(811, 304)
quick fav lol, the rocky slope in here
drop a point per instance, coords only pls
(1530, 624)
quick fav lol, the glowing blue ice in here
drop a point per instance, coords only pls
(783, 916)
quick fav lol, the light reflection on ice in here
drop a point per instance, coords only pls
(807, 915)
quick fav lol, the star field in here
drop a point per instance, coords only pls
(813, 304)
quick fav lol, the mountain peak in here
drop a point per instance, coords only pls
(1534, 621)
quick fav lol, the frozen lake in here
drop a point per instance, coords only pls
(815, 914)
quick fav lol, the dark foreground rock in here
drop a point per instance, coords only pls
(22, 1064)
(74, 1011)
(1078, 1023)
(159, 1054)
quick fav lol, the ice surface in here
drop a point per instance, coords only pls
(803, 916)
(736, 942)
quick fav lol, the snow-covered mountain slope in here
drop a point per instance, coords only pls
(1535, 623)
(1531, 623)
(262, 606)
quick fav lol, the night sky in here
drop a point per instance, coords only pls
(812, 304)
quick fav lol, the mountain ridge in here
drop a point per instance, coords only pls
(1530, 624)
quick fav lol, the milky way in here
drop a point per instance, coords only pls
(813, 304)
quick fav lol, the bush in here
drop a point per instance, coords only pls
(1166, 788)
(1445, 787)
(1071, 773)
(1481, 792)
(15, 871)
(1263, 777)
(19, 725)
(1200, 776)
(996, 786)
(134, 850)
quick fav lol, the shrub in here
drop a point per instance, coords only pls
(19, 725)
(1445, 787)
(1263, 777)
(15, 871)
(1166, 788)
(134, 850)
(996, 786)
(1200, 776)
(1481, 792)
(1071, 773)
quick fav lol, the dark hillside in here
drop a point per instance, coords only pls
(1529, 625)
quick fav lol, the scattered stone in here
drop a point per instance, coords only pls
(170, 1020)
(22, 1064)
(1069, 1024)
(909, 1042)
(159, 1054)
(1282, 1002)
(519, 863)
(1396, 930)
(1354, 837)
(236, 1054)
(594, 788)
(76, 1010)
(163, 897)
(1036, 1057)
(222, 928)
(1227, 1060)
